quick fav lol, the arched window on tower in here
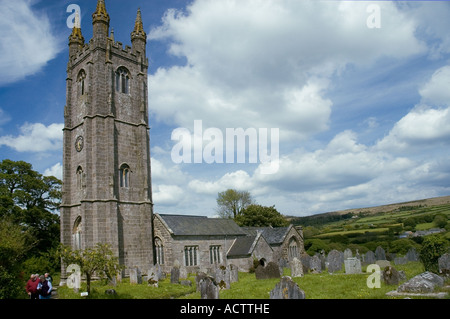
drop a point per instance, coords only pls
(81, 81)
(122, 80)
(79, 177)
(76, 234)
(124, 175)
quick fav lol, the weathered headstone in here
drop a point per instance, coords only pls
(183, 272)
(271, 270)
(412, 255)
(223, 277)
(186, 283)
(234, 273)
(155, 272)
(135, 276)
(315, 264)
(352, 265)
(380, 254)
(369, 257)
(423, 283)
(334, 260)
(323, 259)
(348, 253)
(391, 276)
(175, 275)
(208, 288)
(199, 277)
(296, 268)
(305, 258)
(287, 289)
(444, 264)
(400, 260)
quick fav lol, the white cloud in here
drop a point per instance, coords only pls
(27, 40)
(56, 171)
(4, 117)
(35, 137)
(268, 63)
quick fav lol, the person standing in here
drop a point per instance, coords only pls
(31, 288)
(44, 288)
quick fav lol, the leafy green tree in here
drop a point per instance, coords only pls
(98, 260)
(260, 216)
(315, 245)
(440, 221)
(433, 247)
(29, 199)
(231, 202)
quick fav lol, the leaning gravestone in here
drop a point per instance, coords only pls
(208, 288)
(183, 272)
(334, 261)
(380, 254)
(287, 289)
(175, 275)
(423, 283)
(315, 264)
(296, 268)
(271, 270)
(352, 266)
(199, 277)
(444, 264)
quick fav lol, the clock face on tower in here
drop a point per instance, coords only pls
(79, 143)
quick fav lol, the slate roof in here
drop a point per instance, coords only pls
(242, 246)
(274, 236)
(188, 225)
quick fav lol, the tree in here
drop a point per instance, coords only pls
(440, 221)
(98, 260)
(260, 216)
(29, 199)
(231, 202)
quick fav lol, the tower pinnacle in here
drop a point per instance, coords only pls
(138, 31)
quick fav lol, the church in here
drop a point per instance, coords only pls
(107, 193)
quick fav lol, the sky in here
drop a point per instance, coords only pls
(357, 91)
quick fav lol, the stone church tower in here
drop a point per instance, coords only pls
(107, 195)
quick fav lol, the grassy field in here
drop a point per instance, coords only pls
(316, 286)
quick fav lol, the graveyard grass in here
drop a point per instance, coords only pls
(316, 286)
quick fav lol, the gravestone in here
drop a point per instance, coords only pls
(380, 254)
(352, 265)
(175, 275)
(315, 264)
(135, 276)
(287, 289)
(234, 273)
(423, 283)
(444, 264)
(183, 272)
(208, 288)
(412, 255)
(334, 260)
(391, 276)
(186, 283)
(305, 258)
(400, 260)
(348, 253)
(271, 270)
(223, 277)
(323, 259)
(369, 257)
(296, 268)
(155, 272)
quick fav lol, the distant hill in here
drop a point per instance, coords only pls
(329, 217)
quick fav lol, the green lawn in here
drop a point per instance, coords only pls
(316, 286)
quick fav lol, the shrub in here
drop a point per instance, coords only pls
(433, 247)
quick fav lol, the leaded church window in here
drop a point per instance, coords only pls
(159, 249)
(124, 176)
(190, 255)
(214, 254)
(122, 80)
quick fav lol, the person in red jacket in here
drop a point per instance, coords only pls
(31, 287)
